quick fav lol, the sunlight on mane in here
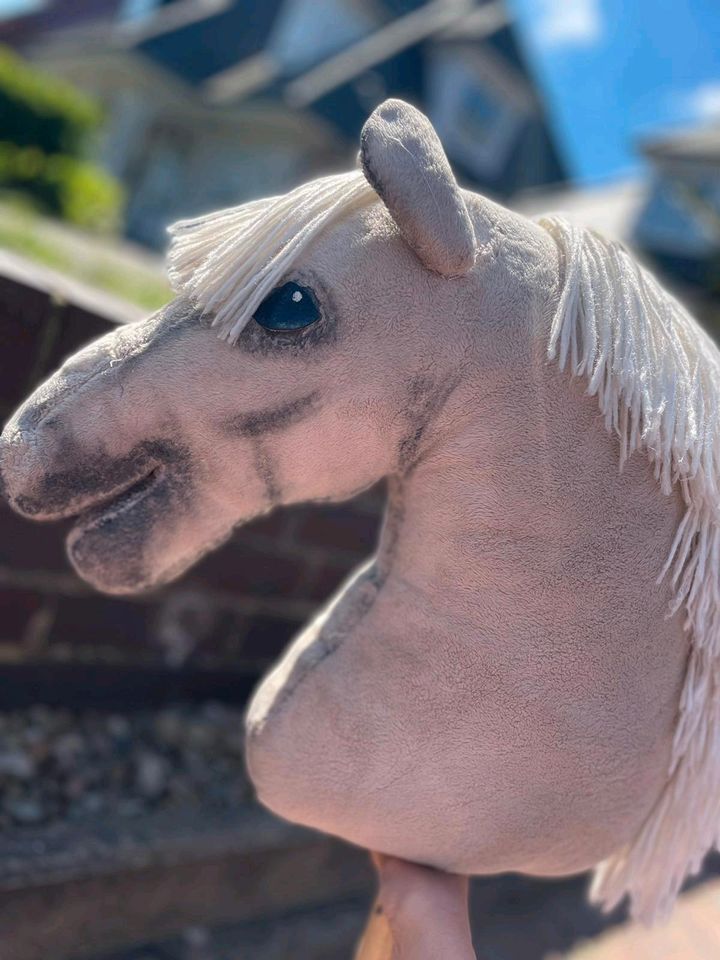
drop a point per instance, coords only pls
(229, 261)
(657, 378)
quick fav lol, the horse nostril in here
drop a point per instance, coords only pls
(5, 454)
(21, 463)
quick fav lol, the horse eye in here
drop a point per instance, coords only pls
(289, 307)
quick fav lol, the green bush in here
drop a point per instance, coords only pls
(42, 111)
(77, 191)
(44, 126)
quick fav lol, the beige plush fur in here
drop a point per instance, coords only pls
(499, 687)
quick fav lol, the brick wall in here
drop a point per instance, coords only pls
(211, 632)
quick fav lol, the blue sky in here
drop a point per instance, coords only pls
(617, 70)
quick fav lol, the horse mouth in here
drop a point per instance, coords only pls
(105, 509)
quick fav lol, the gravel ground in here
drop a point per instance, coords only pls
(57, 764)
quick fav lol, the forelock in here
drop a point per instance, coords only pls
(227, 262)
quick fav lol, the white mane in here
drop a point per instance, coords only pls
(229, 261)
(657, 378)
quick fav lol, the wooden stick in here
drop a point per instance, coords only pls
(377, 941)
(429, 910)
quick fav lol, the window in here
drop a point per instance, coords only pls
(682, 215)
(478, 106)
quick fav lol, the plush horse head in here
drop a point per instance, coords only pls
(526, 675)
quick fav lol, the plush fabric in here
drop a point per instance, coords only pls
(404, 162)
(502, 686)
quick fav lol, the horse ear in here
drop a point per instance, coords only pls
(403, 160)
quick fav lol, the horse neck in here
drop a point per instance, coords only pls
(450, 515)
(524, 492)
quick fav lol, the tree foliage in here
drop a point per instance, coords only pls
(45, 127)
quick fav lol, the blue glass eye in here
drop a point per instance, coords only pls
(289, 307)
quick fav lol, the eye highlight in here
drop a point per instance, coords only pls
(289, 307)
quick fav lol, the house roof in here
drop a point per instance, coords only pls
(609, 208)
(221, 45)
(699, 145)
(397, 36)
(192, 39)
(225, 51)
